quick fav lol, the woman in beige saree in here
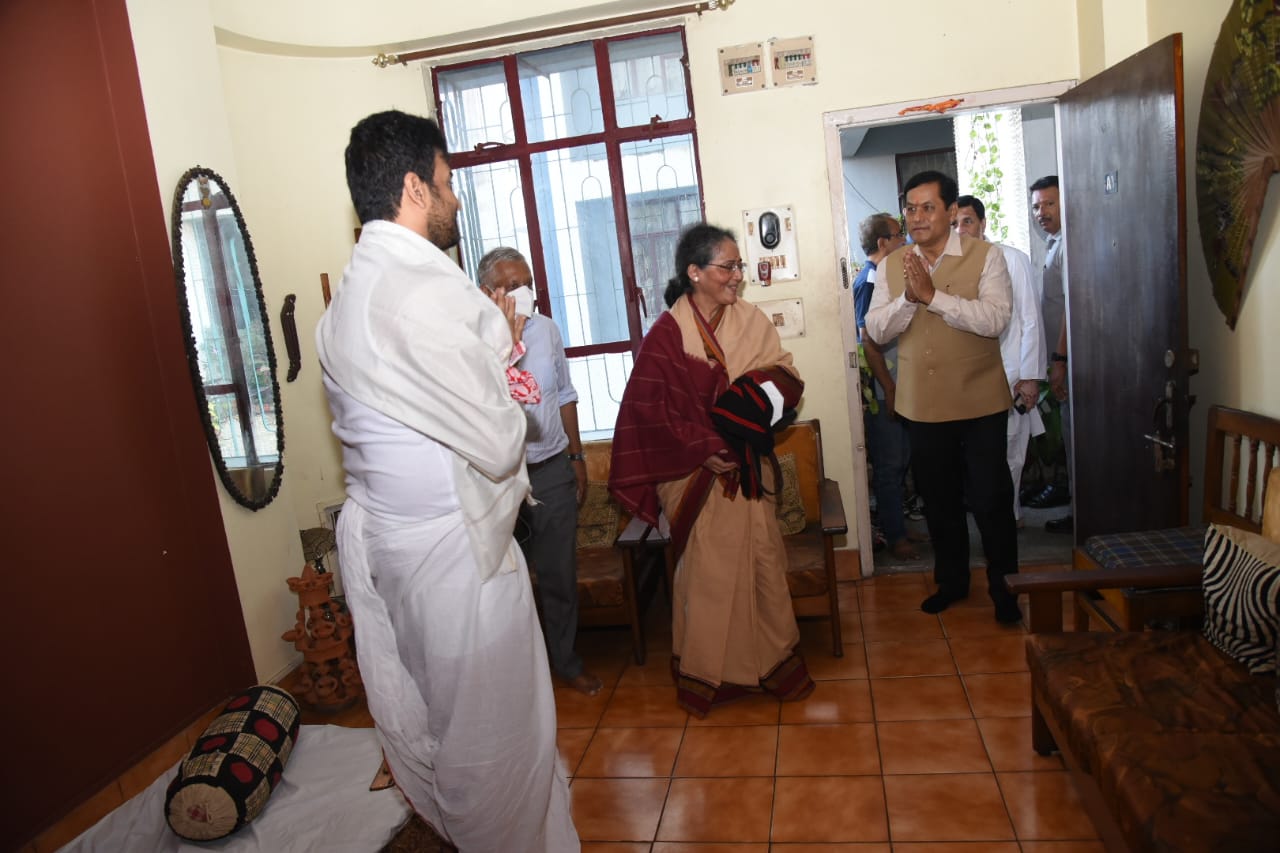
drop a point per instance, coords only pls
(710, 383)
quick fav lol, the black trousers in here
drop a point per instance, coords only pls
(963, 462)
(552, 550)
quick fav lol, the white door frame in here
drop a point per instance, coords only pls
(832, 123)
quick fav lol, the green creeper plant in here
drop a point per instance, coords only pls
(984, 171)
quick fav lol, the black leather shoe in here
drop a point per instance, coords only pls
(942, 599)
(1052, 495)
(1008, 612)
(1066, 524)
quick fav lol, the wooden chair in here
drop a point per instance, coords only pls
(1253, 441)
(811, 569)
(615, 580)
(811, 562)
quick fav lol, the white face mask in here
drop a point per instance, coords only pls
(524, 300)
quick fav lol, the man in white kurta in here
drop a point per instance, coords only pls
(1022, 344)
(415, 366)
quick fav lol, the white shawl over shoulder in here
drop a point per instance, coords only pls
(410, 336)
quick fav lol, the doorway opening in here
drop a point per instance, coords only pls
(995, 143)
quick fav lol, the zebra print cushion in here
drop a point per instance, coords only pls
(1242, 595)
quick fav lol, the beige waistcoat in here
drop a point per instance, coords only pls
(946, 374)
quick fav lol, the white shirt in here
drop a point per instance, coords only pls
(545, 359)
(986, 316)
(1022, 347)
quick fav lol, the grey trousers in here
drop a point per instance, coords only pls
(552, 551)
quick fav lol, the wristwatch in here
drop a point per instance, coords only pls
(577, 457)
(1057, 356)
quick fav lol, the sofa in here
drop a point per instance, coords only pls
(1174, 745)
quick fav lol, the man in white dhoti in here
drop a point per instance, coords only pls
(418, 369)
(1022, 344)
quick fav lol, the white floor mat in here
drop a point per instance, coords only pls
(322, 804)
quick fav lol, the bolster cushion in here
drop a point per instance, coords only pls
(226, 779)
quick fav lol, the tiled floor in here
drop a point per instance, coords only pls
(916, 740)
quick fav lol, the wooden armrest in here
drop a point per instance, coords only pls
(633, 535)
(1044, 589)
(1146, 577)
(833, 518)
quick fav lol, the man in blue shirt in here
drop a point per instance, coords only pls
(557, 472)
(887, 443)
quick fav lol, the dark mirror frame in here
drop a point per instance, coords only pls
(272, 488)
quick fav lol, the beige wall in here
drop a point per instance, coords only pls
(188, 124)
(287, 117)
(1123, 28)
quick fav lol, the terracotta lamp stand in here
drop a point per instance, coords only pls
(330, 680)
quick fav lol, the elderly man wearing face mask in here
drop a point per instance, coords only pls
(557, 469)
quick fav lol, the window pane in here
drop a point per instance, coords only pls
(599, 381)
(663, 199)
(225, 417)
(214, 343)
(491, 212)
(252, 338)
(560, 91)
(474, 106)
(648, 79)
(580, 245)
(202, 302)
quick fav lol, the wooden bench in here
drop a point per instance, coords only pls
(1240, 452)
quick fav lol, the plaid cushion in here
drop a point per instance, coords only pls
(1174, 546)
(225, 780)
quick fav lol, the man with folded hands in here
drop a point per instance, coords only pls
(947, 298)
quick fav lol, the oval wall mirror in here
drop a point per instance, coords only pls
(233, 365)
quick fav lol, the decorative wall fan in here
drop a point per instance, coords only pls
(1238, 146)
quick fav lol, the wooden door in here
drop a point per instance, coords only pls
(1124, 219)
(121, 619)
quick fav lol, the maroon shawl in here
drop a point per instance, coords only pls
(664, 431)
(664, 427)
